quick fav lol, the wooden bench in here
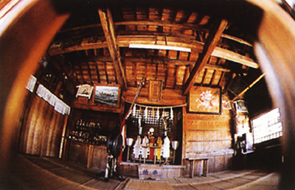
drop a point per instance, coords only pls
(192, 165)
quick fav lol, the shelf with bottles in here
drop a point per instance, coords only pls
(87, 126)
(87, 132)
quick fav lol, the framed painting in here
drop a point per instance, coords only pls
(109, 95)
(84, 90)
(203, 99)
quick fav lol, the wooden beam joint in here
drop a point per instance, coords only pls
(209, 46)
(109, 32)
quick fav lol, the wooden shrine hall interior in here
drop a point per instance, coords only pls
(183, 88)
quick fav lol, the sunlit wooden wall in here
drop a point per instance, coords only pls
(207, 135)
(42, 129)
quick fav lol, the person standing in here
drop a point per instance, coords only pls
(159, 148)
(166, 149)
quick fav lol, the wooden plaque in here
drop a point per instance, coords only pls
(155, 90)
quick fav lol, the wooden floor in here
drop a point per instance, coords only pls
(31, 172)
(146, 185)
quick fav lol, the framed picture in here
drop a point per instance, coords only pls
(155, 90)
(240, 106)
(84, 90)
(203, 99)
(226, 103)
(109, 95)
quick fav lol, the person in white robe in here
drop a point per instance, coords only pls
(136, 147)
(145, 142)
(166, 149)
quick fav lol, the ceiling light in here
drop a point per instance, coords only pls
(164, 47)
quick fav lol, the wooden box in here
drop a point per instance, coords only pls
(150, 172)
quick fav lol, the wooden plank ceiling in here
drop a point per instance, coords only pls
(93, 45)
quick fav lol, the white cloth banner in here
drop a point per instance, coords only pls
(58, 104)
(52, 100)
(31, 83)
(40, 91)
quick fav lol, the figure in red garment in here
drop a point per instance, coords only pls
(152, 140)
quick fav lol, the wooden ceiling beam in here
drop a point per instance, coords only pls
(161, 23)
(109, 32)
(248, 87)
(234, 57)
(82, 74)
(125, 41)
(221, 78)
(176, 71)
(204, 76)
(209, 46)
(89, 72)
(186, 74)
(97, 72)
(173, 62)
(183, 26)
(106, 72)
(213, 77)
(157, 60)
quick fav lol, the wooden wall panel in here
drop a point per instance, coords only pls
(79, 153)
(169, 97)
(41, 130)
(209, 136)
(26, 135)
(99, 158)
(53, 134)
(129, 169)
(46, 128)
(89, 104)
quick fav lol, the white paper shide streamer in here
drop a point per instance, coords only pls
(49, 97)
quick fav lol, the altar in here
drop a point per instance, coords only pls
(151, 171)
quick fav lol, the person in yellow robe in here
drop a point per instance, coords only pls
(159, 149)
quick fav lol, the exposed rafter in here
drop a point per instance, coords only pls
(125, 41)
(209, 46)
(107, 43)
(109, 32)
(235, 57)
(162, 24)
(248, 87)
